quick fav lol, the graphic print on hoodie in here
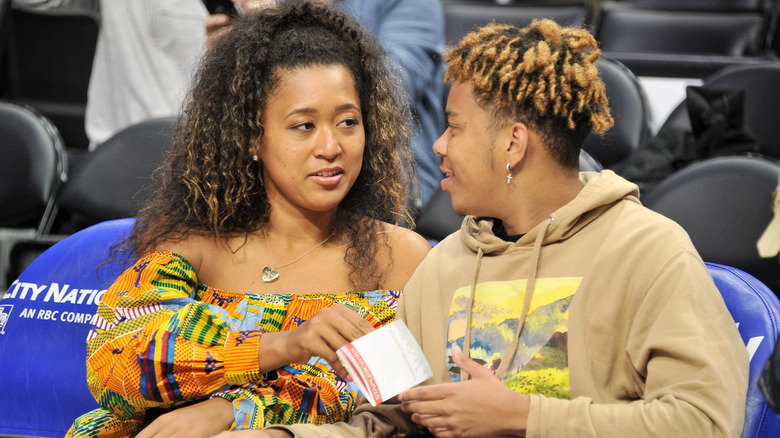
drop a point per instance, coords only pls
(540, 365)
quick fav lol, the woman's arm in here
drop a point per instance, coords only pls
(154, 344)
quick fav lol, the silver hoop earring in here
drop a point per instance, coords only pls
(508, 173)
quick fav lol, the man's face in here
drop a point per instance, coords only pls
(468, 152)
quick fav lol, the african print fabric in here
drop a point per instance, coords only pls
(160, 339)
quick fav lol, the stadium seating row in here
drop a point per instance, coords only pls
(44, 199)
(687, 38)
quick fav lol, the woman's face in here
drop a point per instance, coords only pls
(312, 146)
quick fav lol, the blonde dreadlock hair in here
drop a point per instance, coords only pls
(543, 75)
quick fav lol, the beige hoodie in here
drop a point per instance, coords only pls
(651, 348)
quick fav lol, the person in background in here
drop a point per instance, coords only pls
(271, 240)
(768, 244)
(769, 382)
(145, 56)
(412, 33)
(603, 317)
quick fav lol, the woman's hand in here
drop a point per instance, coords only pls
(202, 419)
(327, 331)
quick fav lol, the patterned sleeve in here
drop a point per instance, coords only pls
(256, 406)
(153, 344)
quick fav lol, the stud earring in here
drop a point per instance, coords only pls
(255, 157)
(508, 173)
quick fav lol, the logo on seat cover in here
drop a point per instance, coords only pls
(5, 315)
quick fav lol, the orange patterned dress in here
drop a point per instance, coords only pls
(161, 339)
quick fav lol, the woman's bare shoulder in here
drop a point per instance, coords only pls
(401, 238)
(408, 249)
(193, 247)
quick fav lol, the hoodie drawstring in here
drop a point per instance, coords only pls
(509, 355)
(467, 337)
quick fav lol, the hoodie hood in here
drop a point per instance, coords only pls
(601, 191)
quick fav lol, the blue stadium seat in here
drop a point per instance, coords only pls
(756, 310)
(44, 319)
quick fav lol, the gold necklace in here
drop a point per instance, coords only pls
(271, 274)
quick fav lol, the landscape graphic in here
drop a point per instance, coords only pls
(540, 365)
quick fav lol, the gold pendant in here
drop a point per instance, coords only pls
(269, 274)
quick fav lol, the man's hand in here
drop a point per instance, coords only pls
(480, 407)
(203, 419)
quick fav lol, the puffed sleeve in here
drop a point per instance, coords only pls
(154, 344)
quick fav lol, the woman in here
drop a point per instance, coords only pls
(267, 245)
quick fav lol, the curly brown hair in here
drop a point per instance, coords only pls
(543, 75)
(209, 183)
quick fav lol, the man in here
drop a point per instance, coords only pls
(624, 334)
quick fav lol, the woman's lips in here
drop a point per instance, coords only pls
(328, 177)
